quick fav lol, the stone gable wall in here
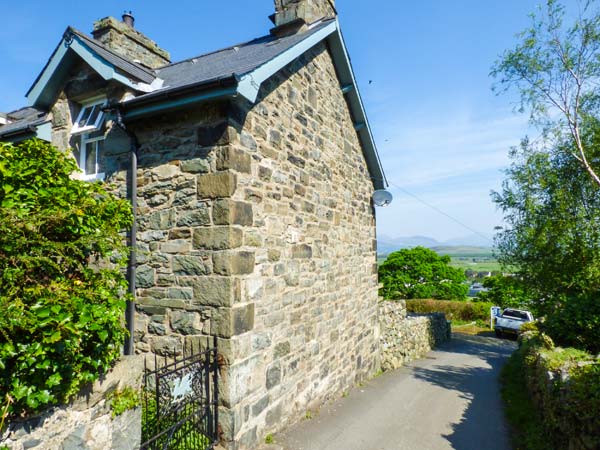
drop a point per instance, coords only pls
(314, 284)
(255, 224)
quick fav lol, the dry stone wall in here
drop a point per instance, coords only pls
(563, 390)
(404, 337)
(87, 422)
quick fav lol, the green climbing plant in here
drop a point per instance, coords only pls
(62, 289)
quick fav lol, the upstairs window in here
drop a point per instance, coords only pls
(90, 117)
(89, 150)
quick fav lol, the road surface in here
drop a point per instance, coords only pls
(448, 400)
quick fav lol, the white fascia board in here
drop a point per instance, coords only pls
(250, 83)
(98, 64)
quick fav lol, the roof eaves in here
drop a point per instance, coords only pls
(26, 128)
(168, 99)
(43, 88)
(251, 82)
(130, 67)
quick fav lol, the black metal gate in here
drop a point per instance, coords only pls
(180, 397)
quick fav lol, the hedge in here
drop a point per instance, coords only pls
(454, 310)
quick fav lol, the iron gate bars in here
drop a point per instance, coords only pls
(180, 403)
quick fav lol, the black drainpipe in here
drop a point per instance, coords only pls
(131, 265)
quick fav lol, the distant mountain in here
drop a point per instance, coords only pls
(472, 240)
(464, 251)
(386, 244)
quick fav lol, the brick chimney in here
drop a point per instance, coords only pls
(292, 16)
(122, 38)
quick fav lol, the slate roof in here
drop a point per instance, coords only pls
(24, 113)
(22, 119)
(231, 62)
(236, 60)
(240, 66)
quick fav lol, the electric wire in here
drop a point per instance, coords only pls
(439, 211)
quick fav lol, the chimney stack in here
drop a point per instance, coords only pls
(292, 16)
(122, 38)
(128, 18)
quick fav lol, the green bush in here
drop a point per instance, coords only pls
(421, 273)
(575, 322)
(506, 292)
(527, 429)
(454, 310)
(62, 293)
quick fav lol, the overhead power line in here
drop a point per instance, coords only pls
(439, 211)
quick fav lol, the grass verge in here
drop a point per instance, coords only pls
(526, 426)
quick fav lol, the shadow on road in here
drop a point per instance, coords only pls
(482, 424)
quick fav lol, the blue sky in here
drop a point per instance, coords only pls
(422, 68)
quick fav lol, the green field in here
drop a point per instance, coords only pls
(477, 264)
(479, 259)
(464, 251)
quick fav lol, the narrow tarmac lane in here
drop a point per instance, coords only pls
(448, 400)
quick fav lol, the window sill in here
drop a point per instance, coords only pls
(91, 177)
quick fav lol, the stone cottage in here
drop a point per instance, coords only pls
(252, 170)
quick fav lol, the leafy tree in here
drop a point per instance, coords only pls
(576, 323)
(421, 273)
(552, 212)
(551, 198)
(61, 288)
(505, 291)
(555, 69)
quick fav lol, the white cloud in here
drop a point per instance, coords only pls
(430, 154)
(451, 164)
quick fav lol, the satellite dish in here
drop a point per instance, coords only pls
(382, 197)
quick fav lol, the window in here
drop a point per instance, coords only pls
(90, 117)
(89, 151)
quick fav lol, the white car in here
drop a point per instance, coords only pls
(511, 320)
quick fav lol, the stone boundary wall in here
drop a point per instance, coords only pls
(564, 392)
(406, 337)
(86, 423)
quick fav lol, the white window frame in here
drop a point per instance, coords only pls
(97, 102)
(84, 133)
(83, 158)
